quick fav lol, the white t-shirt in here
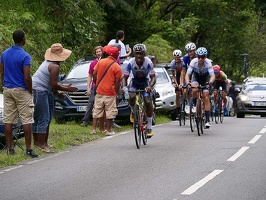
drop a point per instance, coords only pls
(123, 52)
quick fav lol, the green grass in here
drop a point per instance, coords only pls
(64, 136)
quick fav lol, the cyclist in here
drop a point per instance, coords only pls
(142, 74)
(190, 48)
(220, 81)
(176, 68)
(202, 74)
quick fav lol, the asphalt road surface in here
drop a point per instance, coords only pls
(228, 162)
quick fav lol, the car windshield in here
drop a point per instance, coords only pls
(79, 71)
(161, 77)
(251, 87)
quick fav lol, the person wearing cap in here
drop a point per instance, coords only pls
(107, 76)
(17, 90)
(124, 53)
(45, 84)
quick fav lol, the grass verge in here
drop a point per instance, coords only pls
(64, 136)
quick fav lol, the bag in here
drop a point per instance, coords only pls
(95, 86)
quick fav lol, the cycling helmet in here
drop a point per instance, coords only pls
(202, 51)
(190, 47)
(177, 52)
(140, 48)
(216, 69)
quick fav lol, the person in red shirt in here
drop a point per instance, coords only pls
(107, 76)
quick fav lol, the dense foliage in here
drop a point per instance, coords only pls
(227, 28)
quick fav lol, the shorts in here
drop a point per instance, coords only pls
(43, 112)
(201, 80)
(105, 104)
(18, 101)
(218, 84)
(139, 85)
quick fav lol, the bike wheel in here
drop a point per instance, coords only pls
(198, 116)
(137, 131)
(202, 127)
(191, 117)
(180, 112)
(221, 111)
(211, 112)
(217, 112)
(144, 134)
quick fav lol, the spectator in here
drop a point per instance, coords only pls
(233, 93)
(90, 87)
(17, 91)
(107, 74)
(45, 83)
(124, 53)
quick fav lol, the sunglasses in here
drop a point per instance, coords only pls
(201, 57)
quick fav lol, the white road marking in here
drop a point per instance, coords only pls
(202, 182)
(238, 154)
(263, 131)
(255, 139)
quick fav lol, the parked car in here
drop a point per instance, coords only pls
(253, 80)
(165, 92)
(74, 105)
(252, 100)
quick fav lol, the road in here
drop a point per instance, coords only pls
(227, 162)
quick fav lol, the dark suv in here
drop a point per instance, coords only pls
(74, 105)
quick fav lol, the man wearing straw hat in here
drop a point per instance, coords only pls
(45, 83)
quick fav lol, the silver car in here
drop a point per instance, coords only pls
(165, 92)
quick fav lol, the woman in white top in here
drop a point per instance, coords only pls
(124, 53)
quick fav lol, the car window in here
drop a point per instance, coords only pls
(161, 77)
(256, 87)
(79, 71)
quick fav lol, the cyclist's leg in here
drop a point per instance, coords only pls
(194, 83)
(206, 101)
(149, 112)
(177, 100)
(223, 85)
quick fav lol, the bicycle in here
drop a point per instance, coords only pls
(192, 120)
(200, 112)
(140, 119)
(219, 115)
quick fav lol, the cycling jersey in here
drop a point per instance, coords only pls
(186, 62)
(220, 81)
(177, 67)
(221, 77)
(200, 75)
(140, 75)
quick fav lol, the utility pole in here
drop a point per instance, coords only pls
(245, 65)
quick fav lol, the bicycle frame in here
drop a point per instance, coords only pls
(200, 112)
(140, 123)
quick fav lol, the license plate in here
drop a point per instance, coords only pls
(259, 103)
(81, 108)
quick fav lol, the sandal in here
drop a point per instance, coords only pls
(93, 132)
(46, 150)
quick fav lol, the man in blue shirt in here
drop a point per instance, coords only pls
(17, 90)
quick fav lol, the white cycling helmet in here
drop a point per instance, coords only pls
(140, 48)
(190, 47)
(177, 52)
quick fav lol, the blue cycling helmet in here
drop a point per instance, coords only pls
(201, 51)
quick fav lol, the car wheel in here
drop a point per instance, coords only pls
(240, 115)
(59, 120)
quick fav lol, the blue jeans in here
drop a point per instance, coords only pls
(43, 111)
